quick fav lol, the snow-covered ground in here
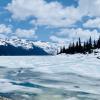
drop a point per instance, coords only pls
(61, 77)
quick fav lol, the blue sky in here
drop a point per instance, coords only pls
(50, 20)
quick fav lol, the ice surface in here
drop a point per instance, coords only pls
(61, 77)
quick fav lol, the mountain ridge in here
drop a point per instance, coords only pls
(22, 45)
(19, 47)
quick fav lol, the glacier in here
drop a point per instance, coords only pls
(60, 77)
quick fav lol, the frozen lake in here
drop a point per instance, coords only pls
(63, 77)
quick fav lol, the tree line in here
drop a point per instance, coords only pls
(81, 47)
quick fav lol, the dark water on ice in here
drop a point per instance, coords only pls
(47, 79)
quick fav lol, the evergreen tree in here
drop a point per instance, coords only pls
(80, 46)
(77, 47)
(98, 43)
(64, 50)
(73, 48)
(90, 43)
(94, 45)
(84, 47)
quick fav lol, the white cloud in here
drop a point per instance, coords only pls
(27, 34)
(6, 32)
(73, 34)
(57, 39)
(2, 36)
(51, 14)
(56, 15)
(5, 29)
(92, 23)
(90, 7)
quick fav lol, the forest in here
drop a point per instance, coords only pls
(81, 47)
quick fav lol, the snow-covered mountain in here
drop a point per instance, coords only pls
(19, 47)
(17, 43)
(51, 48)
(47, 47)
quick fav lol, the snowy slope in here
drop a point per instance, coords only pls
(50, 48)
